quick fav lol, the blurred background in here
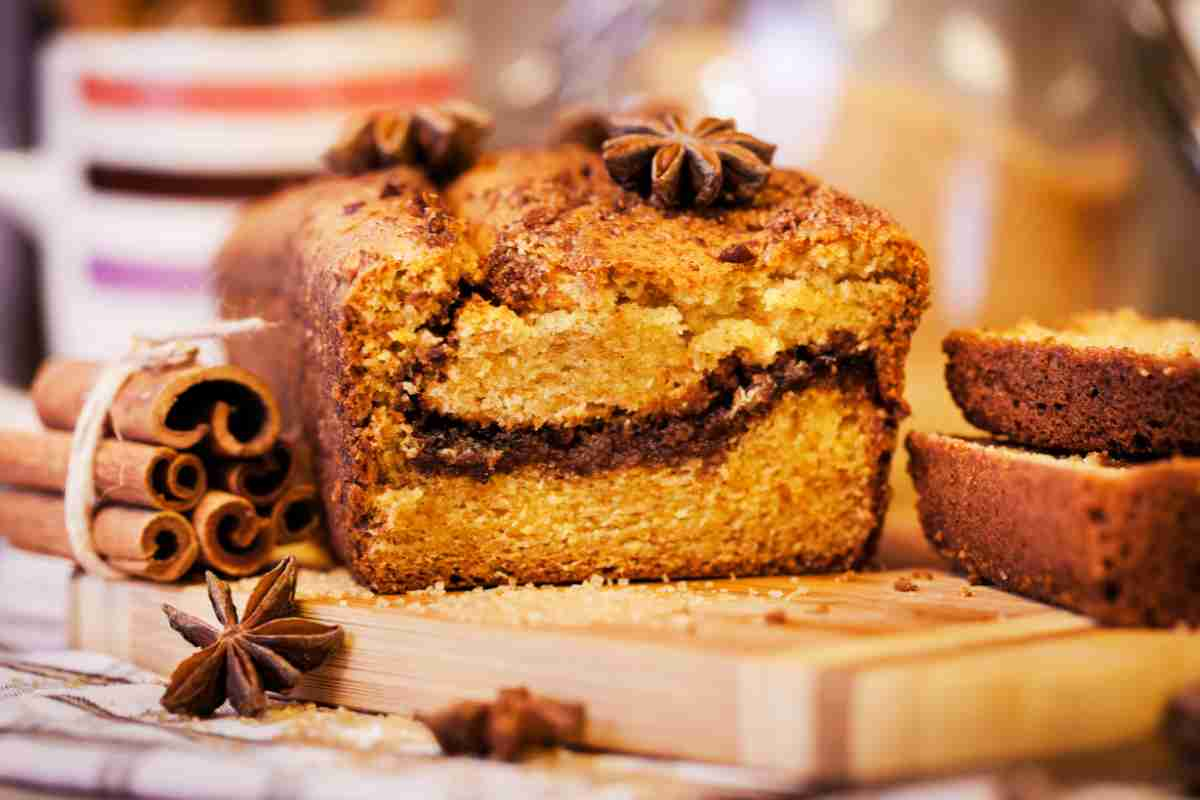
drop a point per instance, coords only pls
(1045, 153)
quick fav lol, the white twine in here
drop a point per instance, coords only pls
(148, 352)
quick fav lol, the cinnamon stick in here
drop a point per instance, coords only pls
(158, 545)
(226, 406)
(261, 480)
(296, 515)
(233, 538)
(127, 472)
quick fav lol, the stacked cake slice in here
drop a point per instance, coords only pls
(1087, 498)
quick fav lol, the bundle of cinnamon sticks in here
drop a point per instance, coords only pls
(192, 470)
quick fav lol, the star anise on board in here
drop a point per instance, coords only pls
(506, 728)
(674, 166)
(267, 650)
(443, 139)
(1181, 729)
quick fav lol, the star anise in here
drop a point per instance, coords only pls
(1181, 729)
(443, 139)
(662, 159)
(506, 728)
(267, 651)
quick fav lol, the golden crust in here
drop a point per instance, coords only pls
(593, 242)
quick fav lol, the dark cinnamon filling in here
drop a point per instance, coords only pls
(739, 395)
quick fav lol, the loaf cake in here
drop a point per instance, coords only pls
(1109, 381)
(1118, 541)
(532, 374)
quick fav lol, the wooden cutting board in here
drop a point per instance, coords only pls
(862, 681)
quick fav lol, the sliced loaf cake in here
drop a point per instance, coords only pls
(1117, 541)
(1110, 381)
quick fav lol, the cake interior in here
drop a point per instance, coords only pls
(461, 383)
(783, 451)
(628, 352)
(799, 490)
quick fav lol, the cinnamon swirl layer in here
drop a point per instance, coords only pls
(736, 394)
(803, 488)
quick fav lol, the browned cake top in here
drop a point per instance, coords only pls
(552, 231)
(558, 233)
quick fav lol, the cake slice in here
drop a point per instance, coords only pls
(1117, 541)
(1110, 381)
(535, 375)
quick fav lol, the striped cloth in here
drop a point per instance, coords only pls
(84, 723)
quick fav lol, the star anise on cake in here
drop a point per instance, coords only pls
(442, 139)
(267, 651)
(1181, 728)
(674, 166)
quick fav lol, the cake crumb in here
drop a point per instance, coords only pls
(847, 576)
(822, 608)
(966, 591)
(905, 585)
(922, 574)
(776, 616)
